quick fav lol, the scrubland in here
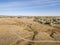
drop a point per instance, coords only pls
(33, 30)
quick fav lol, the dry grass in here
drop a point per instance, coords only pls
(20, 31)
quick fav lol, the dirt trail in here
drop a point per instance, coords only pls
(14, 31)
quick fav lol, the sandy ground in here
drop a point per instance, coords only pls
(16, 31)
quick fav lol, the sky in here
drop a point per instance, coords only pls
(30, 7)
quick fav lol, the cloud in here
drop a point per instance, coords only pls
(14, 5)
(29, 3)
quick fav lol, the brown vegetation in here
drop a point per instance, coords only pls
(27, 30)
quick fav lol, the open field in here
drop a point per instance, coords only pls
(34, 30)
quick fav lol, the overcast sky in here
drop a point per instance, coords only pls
(30, 7)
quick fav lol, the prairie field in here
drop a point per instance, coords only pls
(29, 30)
